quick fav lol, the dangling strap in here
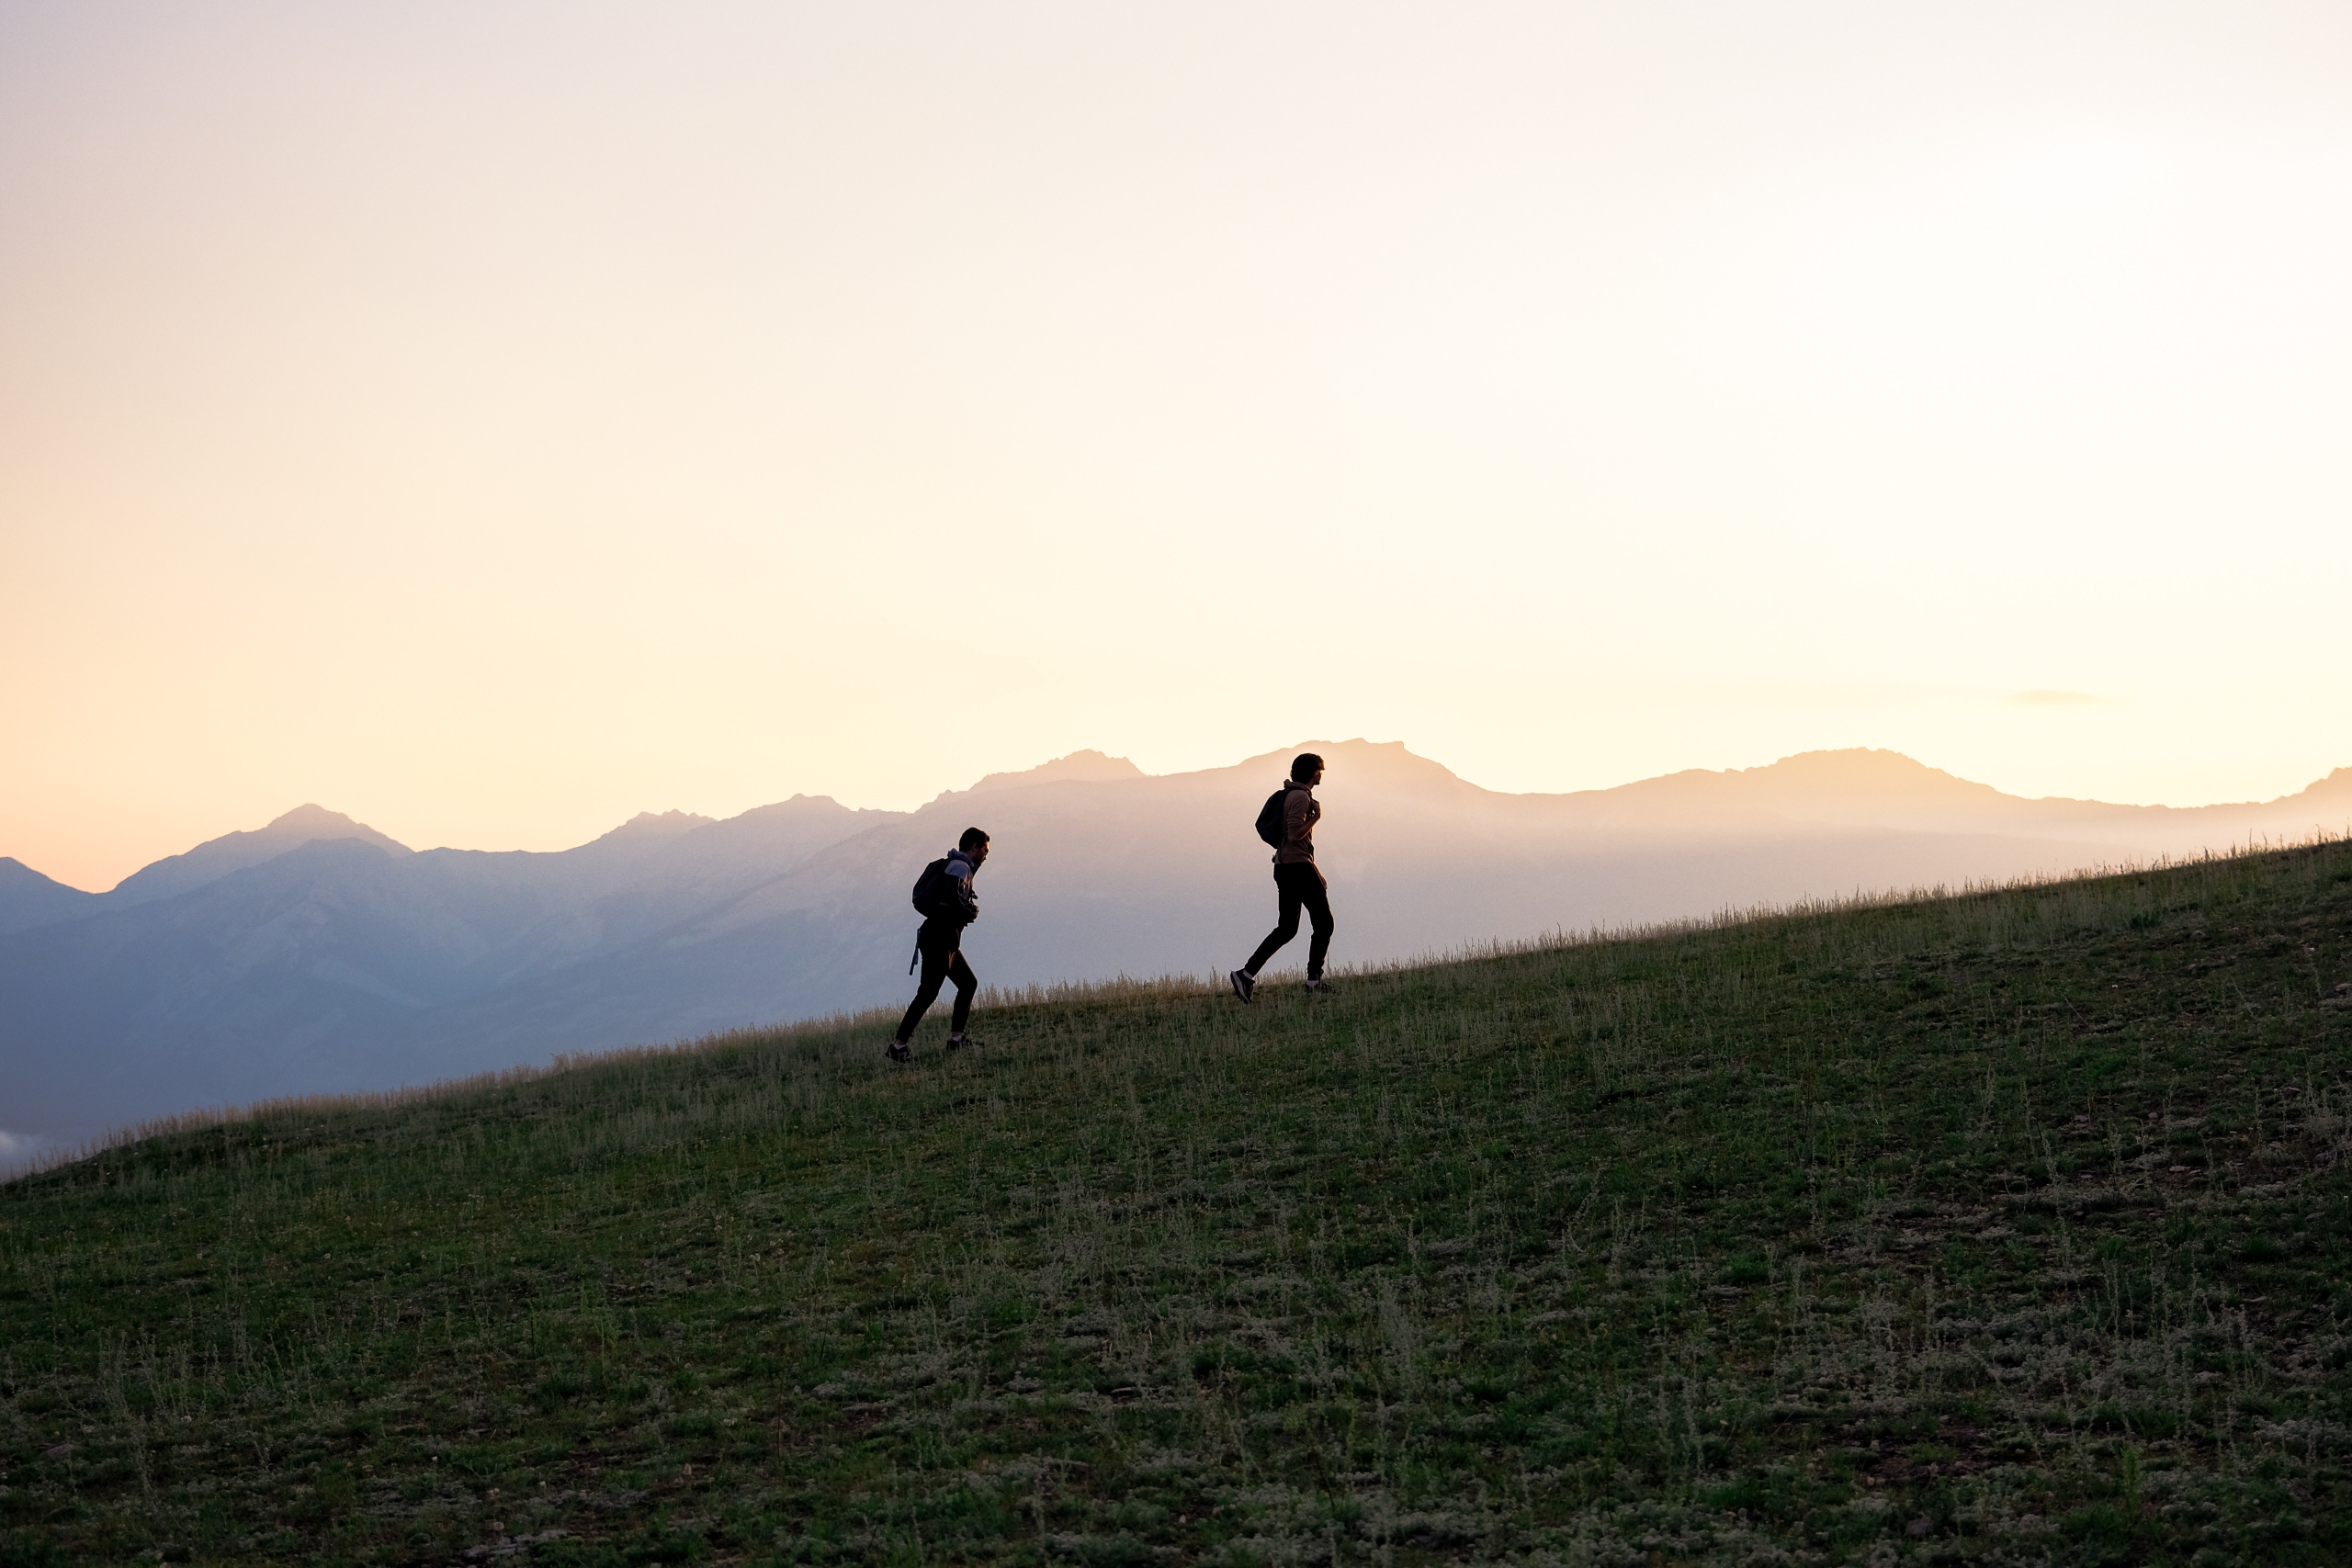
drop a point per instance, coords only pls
(915, 959)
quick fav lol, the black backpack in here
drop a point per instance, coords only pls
(1270, 818)
(935, 892)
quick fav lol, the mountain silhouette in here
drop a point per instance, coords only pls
(29, 899)
(316, 954)
(216, 858)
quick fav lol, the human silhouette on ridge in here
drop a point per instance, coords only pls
(1287, 823)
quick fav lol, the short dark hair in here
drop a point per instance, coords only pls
(972, 839)
(1305, 766)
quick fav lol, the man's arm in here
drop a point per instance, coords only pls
(1300, 811)
(960, 873)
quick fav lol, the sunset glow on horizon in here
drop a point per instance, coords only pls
(494, 421)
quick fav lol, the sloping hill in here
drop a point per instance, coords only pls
(1129, 873)
(319, 956)
(2005, 1228)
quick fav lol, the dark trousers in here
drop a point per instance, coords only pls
(942, 959)
(1298, 885)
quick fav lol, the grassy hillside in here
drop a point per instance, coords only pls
(2008, 1228)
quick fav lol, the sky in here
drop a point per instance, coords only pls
(494, 420)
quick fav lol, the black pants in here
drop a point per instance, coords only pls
(1298, 884)
(942, 959)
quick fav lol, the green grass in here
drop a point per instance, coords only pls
(2006, 1227)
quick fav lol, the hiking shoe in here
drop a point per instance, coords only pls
(901, 1051)
(1323, 986)
(957, 1042)
(1242, 984)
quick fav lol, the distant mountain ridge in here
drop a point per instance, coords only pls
(316, 954)
(1887, 788)
(29, 899)
(233, 851)
(663, 824)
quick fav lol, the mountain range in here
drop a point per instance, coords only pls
(318, 956)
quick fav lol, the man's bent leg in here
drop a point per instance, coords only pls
(935, 970)
(1284, 929)
(965, 984)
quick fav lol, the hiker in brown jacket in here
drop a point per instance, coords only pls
(1297, 883)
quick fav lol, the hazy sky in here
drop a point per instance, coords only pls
(492, 420)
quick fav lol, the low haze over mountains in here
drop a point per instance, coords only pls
(315, 954)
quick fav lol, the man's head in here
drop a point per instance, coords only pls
(974, 843)
(1306, 768)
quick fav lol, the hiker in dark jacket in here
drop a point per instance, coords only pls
(951, 905)
(1298, 884)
